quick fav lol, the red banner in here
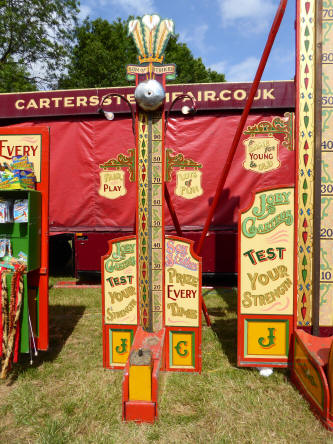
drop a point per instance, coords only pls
(215, 96)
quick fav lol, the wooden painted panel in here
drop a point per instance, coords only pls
(150, 218)
(305, 103)
(267, 254)
(120, 345)
(182, 349)
(22, 145)
(309, 375)
(182, 284)
(266, 338)
(326, 232)
(140, 382)
(120, 283)
(266, 278)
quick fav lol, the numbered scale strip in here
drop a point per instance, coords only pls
(156, 226)
(142, 223)
(150, 231)
(326, 228)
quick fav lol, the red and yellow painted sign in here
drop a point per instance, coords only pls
(188, 184)
(270, 338)
(266, 278)
(182, 284)
(120, 284)
(182, 349)
(261, 154)
(267, 254)
(30, 145)
(86, 101)
(120, 345)
(112, 184)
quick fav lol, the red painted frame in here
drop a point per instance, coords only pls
(40, 278)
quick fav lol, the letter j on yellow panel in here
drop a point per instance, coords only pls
(269, 338)
(120, 345)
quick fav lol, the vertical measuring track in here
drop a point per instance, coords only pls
(324, 126)
(157, 217)
(142, 221)
(317, 169)
(150, 219)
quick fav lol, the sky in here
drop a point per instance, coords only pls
(228, 35)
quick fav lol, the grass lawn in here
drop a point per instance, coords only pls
(67, 397)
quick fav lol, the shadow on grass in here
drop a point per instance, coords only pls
(226, 331)
(224, 321)
(62, 322)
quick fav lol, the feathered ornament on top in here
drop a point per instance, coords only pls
(151, 35)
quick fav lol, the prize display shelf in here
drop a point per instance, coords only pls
(25, 237)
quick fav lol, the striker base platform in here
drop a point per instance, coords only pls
(140, 380)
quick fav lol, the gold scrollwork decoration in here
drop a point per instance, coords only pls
(276, 126)
(122, 161)
(177, 160)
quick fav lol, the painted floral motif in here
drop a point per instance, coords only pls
(306, 161)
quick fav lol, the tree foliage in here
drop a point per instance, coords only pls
(35, 32)
(14, 77)
(103, 50)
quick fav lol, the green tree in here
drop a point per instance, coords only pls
(35, 33)
(13, 77)
(103, 50)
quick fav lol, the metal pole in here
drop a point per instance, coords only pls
(271, 37)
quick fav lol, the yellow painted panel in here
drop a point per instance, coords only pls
(266, 338)
(182, 284)
(267, 254)
(121, 346)
(308, 375)
(120, 284)
(140, 383)
(182, 349)
(18, 141)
